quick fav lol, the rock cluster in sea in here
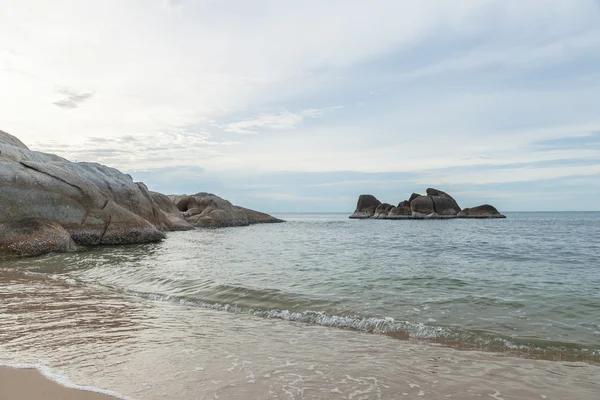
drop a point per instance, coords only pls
(50, 204)
(434, 205)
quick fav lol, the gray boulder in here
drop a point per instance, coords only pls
(365, 207)
(421, 206)
(94, 203)
(402, 211)
(483, 211)
(32, 237)
(382, 210)
(206, 210)
(173, 219)
(443, 203)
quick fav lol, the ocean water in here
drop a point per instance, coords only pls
(526, 286)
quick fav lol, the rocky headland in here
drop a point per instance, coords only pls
(51, 204)
(434, 205)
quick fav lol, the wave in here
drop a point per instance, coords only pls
(399, 329)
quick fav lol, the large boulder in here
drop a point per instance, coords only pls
(32, 237)
(483, 211)
(382, 210)
(402, 211)
(206, 210)
(365, 207)
(421, 206)
(443, 203)
(172, 217)
(94, 203)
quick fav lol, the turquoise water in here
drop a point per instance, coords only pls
(529, 284)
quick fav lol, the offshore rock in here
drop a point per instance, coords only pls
(436, 204)
(483, 211)
(421, 206)
(382, 210)
(365, 207)
(443, 203)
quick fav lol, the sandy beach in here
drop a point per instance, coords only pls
(30, 384)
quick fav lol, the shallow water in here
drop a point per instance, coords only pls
(202, 311)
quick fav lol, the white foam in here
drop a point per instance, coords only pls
(63, 381)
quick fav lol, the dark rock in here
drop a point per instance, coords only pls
(32, 237)
(366, 206)
(483, 211)
(443, 203)
(412, 197)
(435, 205)
(382, 210)
(421, 206)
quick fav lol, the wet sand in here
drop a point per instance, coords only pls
(152, 350)
(30, 384)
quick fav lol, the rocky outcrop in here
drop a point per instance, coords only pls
(172, 218)
(434, 205)
(483, 211)
(206, 210)
(32, 237)
(94, 204)
(257, 217)
(365, 207)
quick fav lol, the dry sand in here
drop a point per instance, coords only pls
(30, 384)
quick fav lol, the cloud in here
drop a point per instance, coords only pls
(72, 99)
(468, 93)
(282, 120)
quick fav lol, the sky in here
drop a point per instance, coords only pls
(304, 105)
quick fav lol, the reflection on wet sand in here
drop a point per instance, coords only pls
(156, 350)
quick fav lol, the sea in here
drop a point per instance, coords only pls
(320, 307)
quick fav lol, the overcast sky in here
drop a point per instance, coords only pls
(304, 105)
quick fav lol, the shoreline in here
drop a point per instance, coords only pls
(30, 382)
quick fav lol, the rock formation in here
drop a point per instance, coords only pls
(434, 205)
(483, 211)
(366, 206)
(206, 210)
(50, 197)
(32, 237)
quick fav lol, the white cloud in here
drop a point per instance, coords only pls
(283, 120)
